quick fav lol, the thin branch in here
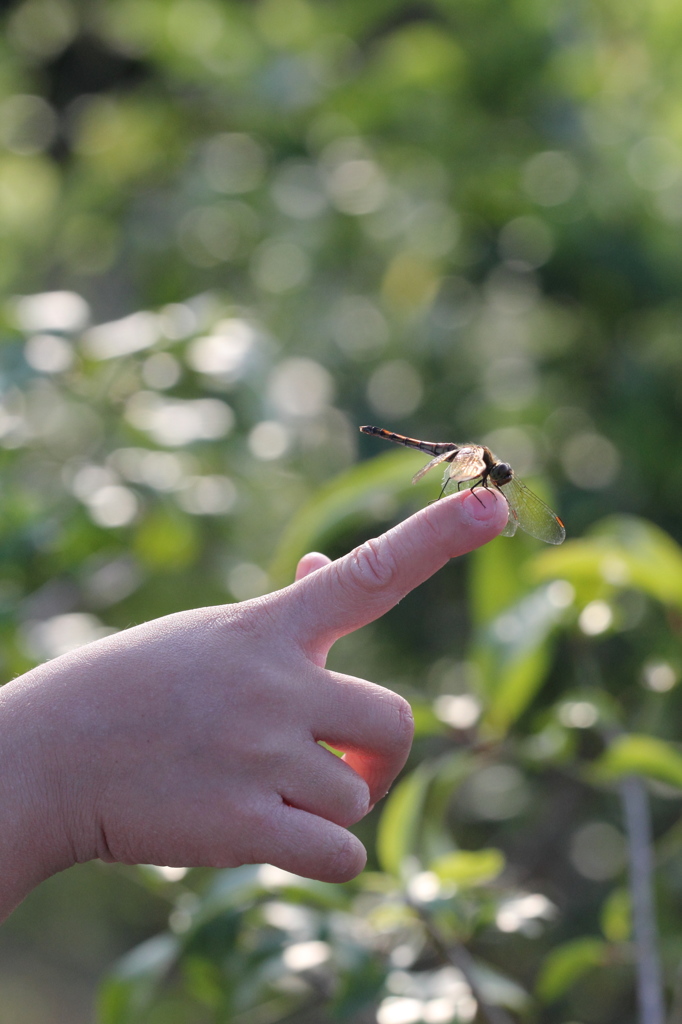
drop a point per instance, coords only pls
(456, 954)
(640, 848)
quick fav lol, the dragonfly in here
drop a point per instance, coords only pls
(465, 463)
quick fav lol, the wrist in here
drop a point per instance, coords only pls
(33, 841)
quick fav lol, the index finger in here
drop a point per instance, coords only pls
(363, 585)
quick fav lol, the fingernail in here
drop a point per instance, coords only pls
(480, 505)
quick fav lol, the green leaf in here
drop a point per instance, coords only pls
(132, 984)
(398, 826)
(616, 916)
(413, 822)
(236, 889)
(566, 964)
(419, 55)
(640, 755)
(621, 551)
(358, 987)
(496, 578)
(517, 683)
(512, 654)
(166, 540)
(467, 868)
(426, 721)
(367, 492)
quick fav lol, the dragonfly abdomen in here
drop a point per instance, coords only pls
(430, 447)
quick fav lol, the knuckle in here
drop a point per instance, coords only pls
(372, 566)
(249, 620)
(403, 731)
(358, 801)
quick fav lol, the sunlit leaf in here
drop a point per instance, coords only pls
(622, 551)
(413, 822)
(566, 964)
(398, 832)
(513, 656)
(368, 492)
(640, 755)
(616, 916)
(417, 55)
(469, 867)
(165, 540)
(237, 888)
(517, 683)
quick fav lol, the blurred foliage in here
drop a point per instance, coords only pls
(231, 232)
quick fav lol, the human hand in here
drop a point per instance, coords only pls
(193, 739)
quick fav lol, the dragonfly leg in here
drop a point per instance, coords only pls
(489, 486)
(442, 490)
(478, 483)
(483, 482)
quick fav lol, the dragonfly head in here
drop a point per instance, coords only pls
(501, 474)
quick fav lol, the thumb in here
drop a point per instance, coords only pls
(310, 562)
(360, 587)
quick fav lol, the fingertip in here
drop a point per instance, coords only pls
(310, 562)
(486, 507)
(350, 860)
(331, 854)
(463, 521)
(312, 846)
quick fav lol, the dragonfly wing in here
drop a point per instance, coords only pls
(467, 464)
(531, 514)
(512, 525)
(429, 465)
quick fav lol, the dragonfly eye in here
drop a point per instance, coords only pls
(501, 473)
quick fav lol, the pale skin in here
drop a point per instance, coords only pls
(193, 739)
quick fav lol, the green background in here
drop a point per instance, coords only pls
(229, 234)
